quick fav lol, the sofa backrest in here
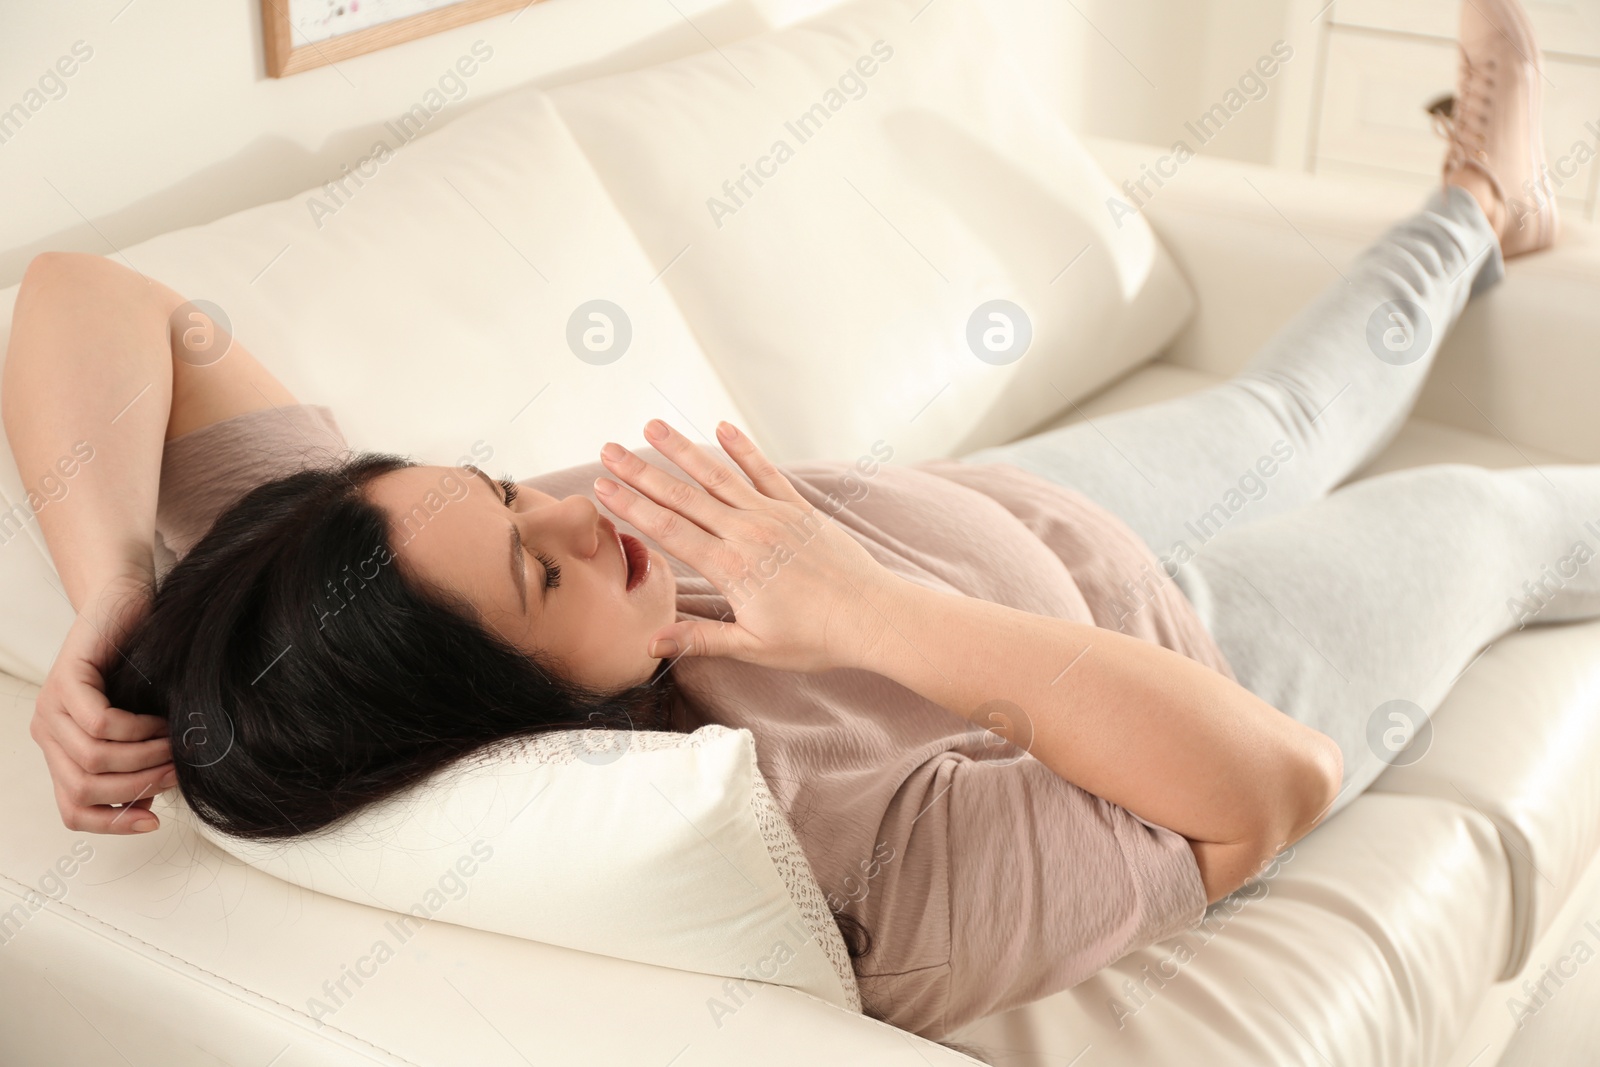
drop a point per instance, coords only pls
(877, 232)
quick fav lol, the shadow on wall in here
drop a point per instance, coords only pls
(274, 168)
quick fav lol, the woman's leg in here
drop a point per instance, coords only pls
(1323, 396)
(1356, 613)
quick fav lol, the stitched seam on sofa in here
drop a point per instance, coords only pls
(1520, 870)
(177, 964)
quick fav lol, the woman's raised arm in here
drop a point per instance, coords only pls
(92, 390)
(88, 376)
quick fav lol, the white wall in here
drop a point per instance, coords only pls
(172, 121)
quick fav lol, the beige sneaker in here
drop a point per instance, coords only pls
(1494, 121)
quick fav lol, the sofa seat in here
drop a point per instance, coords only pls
(1350, 951)
(1521, 746)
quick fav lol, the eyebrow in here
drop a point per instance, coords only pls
(515, 541)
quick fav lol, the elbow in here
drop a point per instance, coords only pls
(1321, 781)
(49, 283)
(49, 274)
(48, 269)
(61, 276)
(1297, 803)
(43, 267)
(1312, 780)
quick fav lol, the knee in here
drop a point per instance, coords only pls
(1463, 492)
(1420, 251)
(1454, 477)
(1455, 480)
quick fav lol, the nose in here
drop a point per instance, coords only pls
(572, 524)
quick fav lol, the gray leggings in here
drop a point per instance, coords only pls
(1352, 609)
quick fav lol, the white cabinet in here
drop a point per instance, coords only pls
(1378, 64)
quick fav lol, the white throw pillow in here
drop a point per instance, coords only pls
(657, 847)
(842, 199)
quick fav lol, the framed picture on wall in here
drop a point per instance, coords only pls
(303, 34)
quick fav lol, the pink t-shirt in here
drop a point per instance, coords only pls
(985, 879)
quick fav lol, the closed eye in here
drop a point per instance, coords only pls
(552, 569)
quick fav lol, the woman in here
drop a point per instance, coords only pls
(334, 636)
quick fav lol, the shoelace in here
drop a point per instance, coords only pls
(1463, 119)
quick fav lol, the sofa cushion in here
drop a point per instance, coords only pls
(840, 199)
(1370, 941)
(1518, 740)
(429, 304)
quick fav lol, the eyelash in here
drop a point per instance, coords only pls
(552, 569)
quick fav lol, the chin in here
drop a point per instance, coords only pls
(668, 585)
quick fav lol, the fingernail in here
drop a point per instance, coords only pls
(605, 486)
(612, 450)
(664, 648)
(169, 780)
(727, 429)
(144, 824)
(655, 428)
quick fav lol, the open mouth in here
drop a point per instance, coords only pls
(637, 558)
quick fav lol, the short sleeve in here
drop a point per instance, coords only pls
(204, 471)
(1044, 885)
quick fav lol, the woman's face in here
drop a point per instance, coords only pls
(551, 576)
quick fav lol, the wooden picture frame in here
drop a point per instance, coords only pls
(288, 55)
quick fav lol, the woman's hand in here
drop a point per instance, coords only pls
(805, 595)
(99, 755)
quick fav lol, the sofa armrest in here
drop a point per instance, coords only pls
(1257, 244)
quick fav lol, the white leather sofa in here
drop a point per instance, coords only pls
(1396, 934)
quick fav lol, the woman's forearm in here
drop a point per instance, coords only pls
(89, 373)
(1142, 726)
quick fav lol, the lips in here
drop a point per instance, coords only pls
(637, 558)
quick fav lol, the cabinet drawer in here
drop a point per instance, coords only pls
(1563, 27)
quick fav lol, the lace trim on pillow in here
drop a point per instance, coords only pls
(795, 869)
(564, 746)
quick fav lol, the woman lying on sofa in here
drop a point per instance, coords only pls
(1181, 732)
